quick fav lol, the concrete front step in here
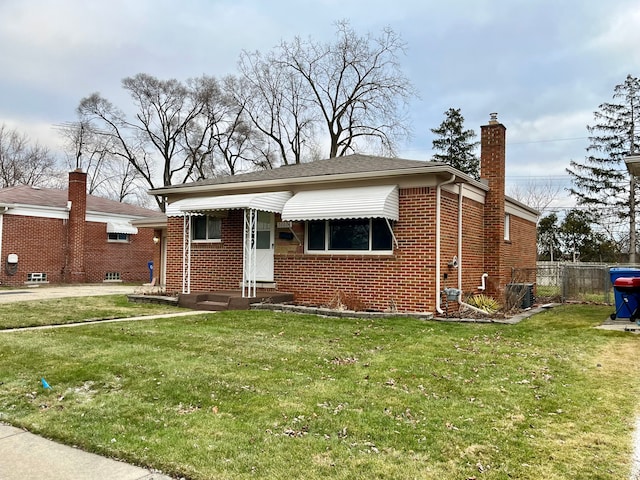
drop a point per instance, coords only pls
(229, 300)
(213, 306)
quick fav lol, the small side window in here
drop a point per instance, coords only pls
(507, 227)
(118, 237)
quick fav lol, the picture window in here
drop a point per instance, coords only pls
(350, 235)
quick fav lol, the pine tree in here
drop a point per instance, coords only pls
(602, 182)
(456, 144)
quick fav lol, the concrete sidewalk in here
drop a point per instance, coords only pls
(24, 455)
(45, 292)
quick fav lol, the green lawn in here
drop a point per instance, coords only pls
(72, 310)
(267, 395)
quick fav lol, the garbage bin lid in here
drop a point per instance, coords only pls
(627, 282)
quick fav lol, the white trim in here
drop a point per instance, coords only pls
(470, 191)
(520, 212)
(265, 201)
(1, 225)
(37, 211)
(342, 203)
(63, 213)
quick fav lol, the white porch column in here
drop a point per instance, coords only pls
(249, 266)
(186, 253)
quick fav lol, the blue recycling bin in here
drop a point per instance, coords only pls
(150, 267)
(632, 302)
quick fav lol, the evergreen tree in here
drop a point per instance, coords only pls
(581, 243)
(602, 181)
(548, 239)
(456, 145)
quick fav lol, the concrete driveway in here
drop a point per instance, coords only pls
(43, 292)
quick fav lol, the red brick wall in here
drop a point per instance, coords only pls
(520, 251)
(40, 244)
(404, 280)
(129, 259)
(214, 265)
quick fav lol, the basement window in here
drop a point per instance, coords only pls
(112, 277)
(361, 235)
(39, 277)
(118, 237)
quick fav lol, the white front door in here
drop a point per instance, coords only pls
(264, 246)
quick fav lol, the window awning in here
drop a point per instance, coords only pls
(121, 227)
(265, 201)
(341, 203)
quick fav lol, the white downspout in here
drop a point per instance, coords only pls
(460, 302)
(3, 210)
(438, 194)
(460, 197)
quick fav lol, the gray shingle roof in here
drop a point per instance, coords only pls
(333, 166)
(56, 198)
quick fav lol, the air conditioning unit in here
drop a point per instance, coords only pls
(520, 294)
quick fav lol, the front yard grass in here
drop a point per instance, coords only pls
(258, 394)
(71, 310)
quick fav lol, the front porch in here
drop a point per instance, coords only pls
(230, 299)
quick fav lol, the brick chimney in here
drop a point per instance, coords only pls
(75, 271)
(492, 170)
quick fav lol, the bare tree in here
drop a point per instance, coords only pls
(536, 194)
(170, 135)
(21, 162)
(108, 175)
(357, 85)
(225, 132)
(351, 92)
(274, 99)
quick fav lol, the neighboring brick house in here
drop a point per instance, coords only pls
(389, 233)
(66, 236)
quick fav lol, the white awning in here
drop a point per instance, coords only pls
(266, 201)
(340, 203)
(121, 227)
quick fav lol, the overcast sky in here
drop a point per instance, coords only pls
(544, 66)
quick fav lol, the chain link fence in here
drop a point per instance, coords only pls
(581, 282)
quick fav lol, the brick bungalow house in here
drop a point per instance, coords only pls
(66, 236)
(387, 232)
